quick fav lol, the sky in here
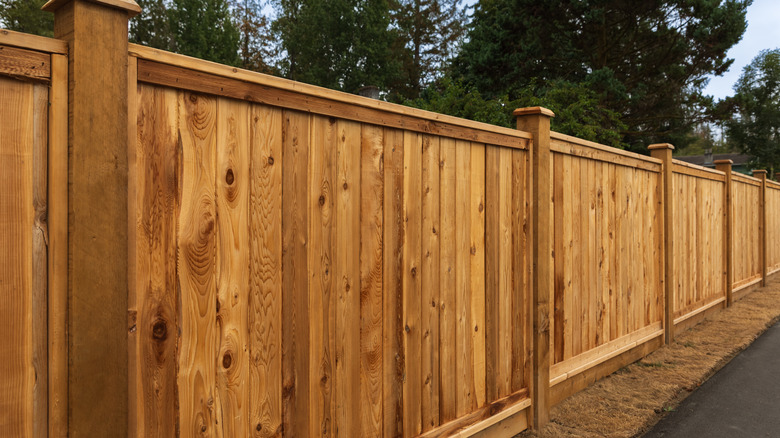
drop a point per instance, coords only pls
(763, 32)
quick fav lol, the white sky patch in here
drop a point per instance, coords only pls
(763, 32)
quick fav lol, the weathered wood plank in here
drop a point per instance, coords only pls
(40, 253)
(493, 242)
(16, 269)
(265, 314)
(295, 274)
(156, 323)
(24, 63)
(33, 42)
(196, 253)
(347, 279)
(393, 276)
(371, 260)
(430, 281)
(232, 276)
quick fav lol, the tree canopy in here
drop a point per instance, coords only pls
(646, 61)
(755, 124)
(26, 16)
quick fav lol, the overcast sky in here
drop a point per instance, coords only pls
(763, 32)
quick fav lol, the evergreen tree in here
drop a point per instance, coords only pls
(152, 27)
(26, 16)
(339, 44)
(204, 29)
(256, 41)
(755, 125)
(429, 33)
(647, 61)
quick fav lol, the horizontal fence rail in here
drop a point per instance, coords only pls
(307, 262)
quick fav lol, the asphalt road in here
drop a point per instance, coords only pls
(740, 400)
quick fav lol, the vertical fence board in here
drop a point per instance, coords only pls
(196, 267)
(232, 275)
(465, 372)
(265, 315)
(393, 277)
(347, 279)
(520, 271)
(412, 384)
(430, 281)
(295, 273)
(156, 322)
(324, 280)
(447, 282)
(371, 238)
(16, 275)
(476, 288)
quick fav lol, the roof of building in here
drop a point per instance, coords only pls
(707, 160)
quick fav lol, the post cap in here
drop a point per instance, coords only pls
(759, 172)
(653, 147)
(130, 6)
(533, 111)
(723, 162)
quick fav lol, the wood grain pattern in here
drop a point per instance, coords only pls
(463, 347)
(40, 255)
(156, 280)
(347, 280)
(232, 268)
(521, 272)
(58, 246)
(371, 277)
(477, 274)
(23, 63)
(16, 268)
(393, 279)
(295, 273)
(258, 90)
(412, 384)
(265, 315)
(328, 275)
(447, 279)
(430, 298)
(196, 254)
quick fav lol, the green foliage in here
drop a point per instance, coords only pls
(152, 27)
(339, 44)
(256, 41)
(26, 16)
(203, 29)
(575, 106)
(577, 111)
(646, 61)
(429, 33)
(755, 125)
(456, 99)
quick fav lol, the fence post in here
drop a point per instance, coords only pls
(761, 174)
(536, 120)
(663, 151)
(96, 32)
(725, 166)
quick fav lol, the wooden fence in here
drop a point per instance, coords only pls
(33, 234)
(296, 261)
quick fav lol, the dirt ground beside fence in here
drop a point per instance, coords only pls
(630, 401)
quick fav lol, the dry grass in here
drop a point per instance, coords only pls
(632, 400)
